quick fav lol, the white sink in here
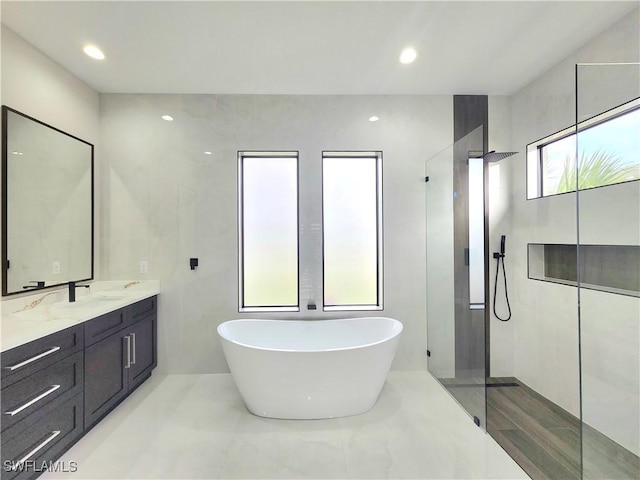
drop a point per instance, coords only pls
(109, 296)
(91, 302)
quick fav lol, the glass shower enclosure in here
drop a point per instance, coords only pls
(581, 292)
(456, 273)
(608, 267)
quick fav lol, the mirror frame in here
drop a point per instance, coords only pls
(4, 218)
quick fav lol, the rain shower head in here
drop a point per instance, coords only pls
(494, 156)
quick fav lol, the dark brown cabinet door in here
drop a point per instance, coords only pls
(143, 350)
(116, 365)
(105, 380)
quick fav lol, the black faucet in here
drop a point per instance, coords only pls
(38, 284)
(72, 290)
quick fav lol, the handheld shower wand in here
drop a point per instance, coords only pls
(500, 257)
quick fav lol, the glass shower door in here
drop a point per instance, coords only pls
(608, 259)
(455, 270)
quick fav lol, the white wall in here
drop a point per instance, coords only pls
(545, 317)
(34, 84)
(165, 201)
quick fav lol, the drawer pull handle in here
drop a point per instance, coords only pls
(32, 359)
(20, 462)
(133, 349)
(128, 339)
(32, 401)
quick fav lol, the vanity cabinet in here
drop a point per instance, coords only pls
(41, 401)
(55, 388)
(120, 354)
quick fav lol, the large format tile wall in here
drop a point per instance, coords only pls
(542, 338)
(160, 199)
(501, 344)
(165, 201)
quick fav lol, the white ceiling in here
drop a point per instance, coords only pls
(330, 47)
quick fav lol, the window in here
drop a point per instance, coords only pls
(352, 230)
(608, 154)
(268, 231)
(476, 233)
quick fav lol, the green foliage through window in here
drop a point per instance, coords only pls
(609, 153)
(595, 169)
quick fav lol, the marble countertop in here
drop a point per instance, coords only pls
(31, 317)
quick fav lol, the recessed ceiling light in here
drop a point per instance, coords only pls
(94, 52)
(208, 153)
(408, 55)
(168, 118)
(374, 118)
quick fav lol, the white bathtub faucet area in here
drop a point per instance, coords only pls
(310, 369)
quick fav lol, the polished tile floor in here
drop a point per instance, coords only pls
(196, 426)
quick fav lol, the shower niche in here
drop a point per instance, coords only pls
(607, 268)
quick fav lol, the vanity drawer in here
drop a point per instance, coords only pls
(34, 392)
(104, 325)
(22, 361)
(44, 437)
(142, 309)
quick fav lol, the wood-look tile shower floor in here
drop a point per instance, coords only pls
(545, 439)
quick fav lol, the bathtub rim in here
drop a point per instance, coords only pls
(396, 334)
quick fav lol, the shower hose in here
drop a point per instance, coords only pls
(500, 258)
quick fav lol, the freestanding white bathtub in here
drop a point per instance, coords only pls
(310, 369)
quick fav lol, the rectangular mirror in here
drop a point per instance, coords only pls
(47, 205)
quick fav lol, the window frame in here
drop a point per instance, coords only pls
(378, 156)
(242, 154)
(535, 150)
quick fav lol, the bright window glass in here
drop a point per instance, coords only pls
(476, 232)
(608, 147)
(557, 160)
(352, 230)
(268, 231)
